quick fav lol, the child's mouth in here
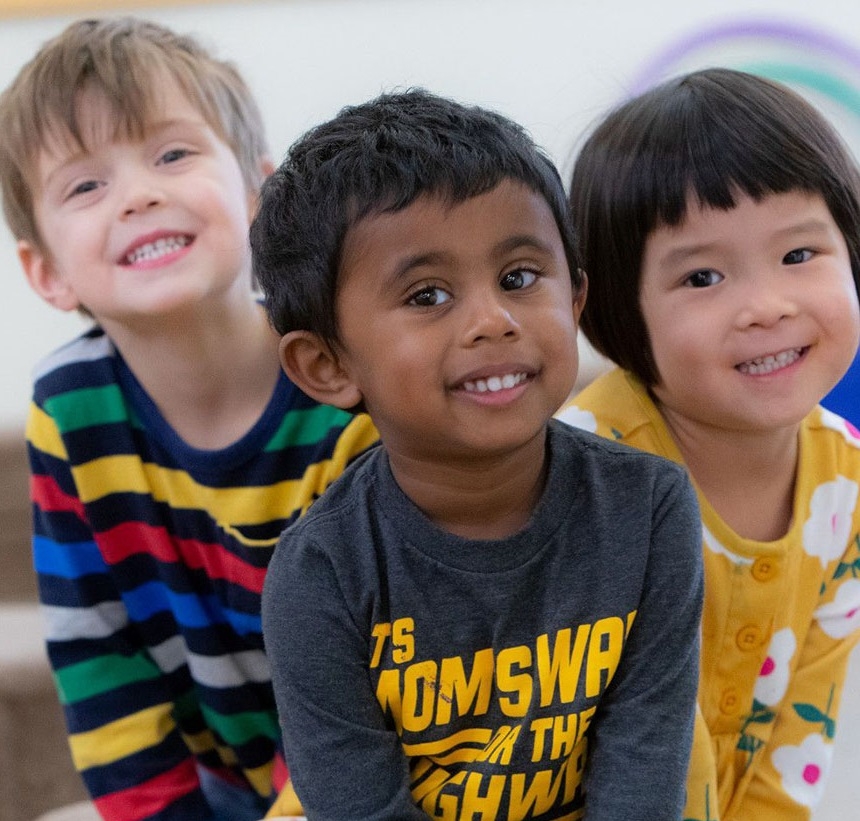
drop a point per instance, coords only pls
(772, 362)
(493, 384)
(151, 251)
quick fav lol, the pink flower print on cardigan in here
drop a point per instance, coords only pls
(775, 672)
(770, 687)
(827, 531)
(841, 617)
(834, 422)
(804, 768)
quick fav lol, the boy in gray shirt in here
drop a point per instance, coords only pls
(492, 615)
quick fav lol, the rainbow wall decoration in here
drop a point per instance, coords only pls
(818, 64)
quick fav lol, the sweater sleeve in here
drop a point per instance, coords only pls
(787, 746)
(637, 769)
(122, 733)
(344, 761)
(790, 779)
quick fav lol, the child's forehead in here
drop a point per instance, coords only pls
(437, 226)
(444, 205)
(698, 208)
(97, 120)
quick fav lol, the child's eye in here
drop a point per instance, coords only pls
(174, 155)
(428, 296)
(517, 280)
(703, 278)
(83, 188)
(797, 256)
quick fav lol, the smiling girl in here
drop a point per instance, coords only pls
(719, 223)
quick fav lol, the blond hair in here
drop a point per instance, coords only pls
(120, 59)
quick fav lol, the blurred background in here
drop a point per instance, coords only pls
(553, 65)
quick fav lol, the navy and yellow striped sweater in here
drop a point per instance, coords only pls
(150, 556)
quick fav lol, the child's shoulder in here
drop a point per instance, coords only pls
(347, 515)
(608, 457)
(353, 491)
(618, 407)
(85, 361)
(827, 436)
(611, 484)
(615, 398)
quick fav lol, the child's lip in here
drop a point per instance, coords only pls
(494, 384)
(768, 363)
(153, 245)
(491, 379)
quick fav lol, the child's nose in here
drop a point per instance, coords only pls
(491, 319)
(140, 197)
(765, 307)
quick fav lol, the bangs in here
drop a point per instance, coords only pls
(127, 83)
(72, 127)
(712, 154)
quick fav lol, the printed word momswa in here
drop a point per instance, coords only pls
(418, 693)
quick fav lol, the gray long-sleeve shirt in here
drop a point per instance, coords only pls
(422, 674)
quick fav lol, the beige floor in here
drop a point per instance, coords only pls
(36, 772)
(82, 811)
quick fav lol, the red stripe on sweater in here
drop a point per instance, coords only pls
(131, 538)
(150, 797)
(50, 497)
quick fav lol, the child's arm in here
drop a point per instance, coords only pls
(123, 738)
(789, 774)
(344, 761)
(642, 733)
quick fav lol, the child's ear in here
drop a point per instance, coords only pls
(313, 366)
(44, 279)
(267, 167)
(580, 296)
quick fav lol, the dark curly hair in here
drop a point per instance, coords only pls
(380, 157)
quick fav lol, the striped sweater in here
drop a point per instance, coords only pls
(150, 557)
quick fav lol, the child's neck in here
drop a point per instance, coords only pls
(479, 498)
(210, 376)
(748, 478)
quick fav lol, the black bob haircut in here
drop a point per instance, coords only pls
(712, 134)
(379, 157)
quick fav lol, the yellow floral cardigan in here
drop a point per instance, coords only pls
(779, 622)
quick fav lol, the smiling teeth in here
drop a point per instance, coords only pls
(495, 383)
(768, 364)
(154, 250)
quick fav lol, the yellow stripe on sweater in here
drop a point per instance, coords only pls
(43, 432)
(121, 738)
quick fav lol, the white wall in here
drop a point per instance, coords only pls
(554, 65)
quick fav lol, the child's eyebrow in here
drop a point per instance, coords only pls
(506, 246)
(809, 226)
(529, 241)
(49, 170)
(405, 266)
(154, 127)
(684, 252)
